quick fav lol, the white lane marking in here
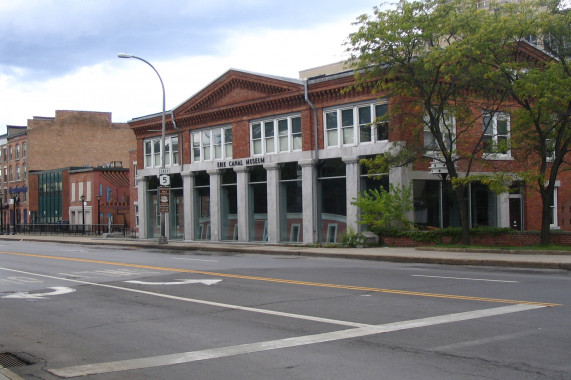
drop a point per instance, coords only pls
(75, 250)
(183, 258)
(177, 282)
(478, 342)
(203, 302)
(186, 357)
(57, 290)
(464, 278)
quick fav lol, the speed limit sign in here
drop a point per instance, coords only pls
(164, 180)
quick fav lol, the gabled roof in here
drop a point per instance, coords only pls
(244, 86)
(236, 92)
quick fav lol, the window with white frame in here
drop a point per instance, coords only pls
(280, 134)
(152, 149)
(496, 128)
(447, 126)
(212, 144)
(357, 124)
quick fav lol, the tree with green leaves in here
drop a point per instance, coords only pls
(441, 60)
(540, 85)
(416, 53)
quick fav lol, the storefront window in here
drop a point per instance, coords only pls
(228, 205)
(291, 207)
(258, 204)
(202, 206)
(333, 199)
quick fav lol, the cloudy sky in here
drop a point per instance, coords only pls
(62, 54)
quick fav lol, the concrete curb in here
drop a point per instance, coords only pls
(6, 374)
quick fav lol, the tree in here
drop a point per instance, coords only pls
(541, 86)
(417, 54)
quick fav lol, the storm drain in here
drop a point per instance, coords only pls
(9, 361)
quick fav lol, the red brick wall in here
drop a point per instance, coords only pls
(503, 240)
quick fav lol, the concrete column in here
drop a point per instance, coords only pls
(142, 184)
(273, 176)
(400, 177)
(188, 206)
(243, 203)
(214, 204)
(503, 200)
(309, 201)
(352, 189)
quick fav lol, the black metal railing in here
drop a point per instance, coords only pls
(69, 229)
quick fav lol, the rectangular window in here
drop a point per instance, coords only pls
(278, 135)
(331, 129)
(217, 142)
(496, 129)
(447, 126)
(269, 136)
(228, 143)
(195, 146)
(206, 145)
(212, 144)
(152, 150)
(365, 125)
(257, 138)
(360, 124)
(347, 127)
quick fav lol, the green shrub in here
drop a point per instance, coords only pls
(385, 209)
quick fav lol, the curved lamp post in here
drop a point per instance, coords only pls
(162, 238)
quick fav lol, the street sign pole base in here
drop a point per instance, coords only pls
(163, 240)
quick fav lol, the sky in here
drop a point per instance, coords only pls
(62, 54)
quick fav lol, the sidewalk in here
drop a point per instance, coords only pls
(430, 255)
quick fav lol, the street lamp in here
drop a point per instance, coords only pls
(98, 213)
(83, 213)
(162, 238)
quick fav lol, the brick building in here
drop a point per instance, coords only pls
(71, 139)
(256, 157)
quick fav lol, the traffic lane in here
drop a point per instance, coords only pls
(153, 327)
(463, 287)
(99, 324)
(430, 278)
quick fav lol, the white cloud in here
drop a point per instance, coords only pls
(129, 88)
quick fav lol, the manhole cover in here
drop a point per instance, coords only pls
(9, 360)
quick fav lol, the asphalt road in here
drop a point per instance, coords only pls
(119, 313)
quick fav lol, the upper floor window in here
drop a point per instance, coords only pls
(282, 134)
(212, 144)
(18, 173)
(17, 151)
(152, 149)
(496, 129)
(4, 154)
(354, 125)
(10, 153)
(447, 126)
(24, 150)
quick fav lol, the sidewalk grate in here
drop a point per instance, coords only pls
(9, 361)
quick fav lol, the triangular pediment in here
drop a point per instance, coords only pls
(235, 88)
